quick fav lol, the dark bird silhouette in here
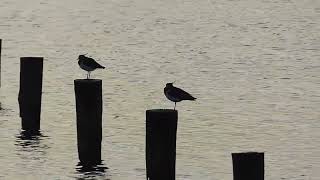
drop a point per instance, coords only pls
(176, 94)
(88, 64)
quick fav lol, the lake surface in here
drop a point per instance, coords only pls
(253, 65)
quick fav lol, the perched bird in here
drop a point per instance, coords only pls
(88, 64)
(176, 94)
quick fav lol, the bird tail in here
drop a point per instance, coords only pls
(101, 67)
(191, 98)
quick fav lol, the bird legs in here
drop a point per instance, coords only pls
(175, 104)
(88, 75)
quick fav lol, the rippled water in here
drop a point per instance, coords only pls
(253, 65)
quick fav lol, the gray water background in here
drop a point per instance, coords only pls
(254, 66)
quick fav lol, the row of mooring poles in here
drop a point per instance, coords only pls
(161, 133)
(161, 127)
(88, 107)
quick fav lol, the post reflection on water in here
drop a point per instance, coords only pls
(97, 171)
(32, 150)
(31, 142)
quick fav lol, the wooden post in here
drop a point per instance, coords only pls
(0, 61)
(0, 67)
(248, 166)
(161, 132)
(89, 120)
(31, 69)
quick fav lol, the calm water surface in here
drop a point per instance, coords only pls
(254, 66)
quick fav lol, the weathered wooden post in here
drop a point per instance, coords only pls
(0, 61)
(248, 166)
(0, 67)
(89, 120)
(161, 132)
(31, 69)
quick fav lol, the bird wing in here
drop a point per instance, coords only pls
(181, 94)
(92, 63)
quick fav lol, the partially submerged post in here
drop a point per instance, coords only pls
(0, 61)
(248, 166)
(89, 120)
(31, 69)
(161, 132)
(0, 67)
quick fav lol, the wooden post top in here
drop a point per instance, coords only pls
(33, 58)
(87, 80)
(161, 111)
(247, 153)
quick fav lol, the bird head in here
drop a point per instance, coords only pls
(170, 84)
(82, 56)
